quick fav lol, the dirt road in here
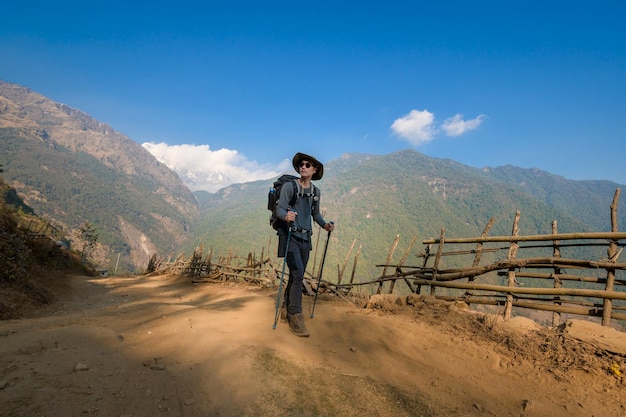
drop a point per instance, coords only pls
(162, 346)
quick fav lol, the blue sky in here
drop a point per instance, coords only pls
(229, 91)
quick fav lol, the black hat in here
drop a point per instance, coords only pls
(319, 173)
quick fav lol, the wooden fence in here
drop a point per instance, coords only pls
(202, 268)
(556, 297)
(38, 228)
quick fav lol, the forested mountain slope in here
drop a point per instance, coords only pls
(73, 169)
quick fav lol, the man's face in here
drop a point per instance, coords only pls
(307, 167)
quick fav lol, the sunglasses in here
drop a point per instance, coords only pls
(305, 164)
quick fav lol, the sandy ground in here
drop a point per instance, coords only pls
(162, 346)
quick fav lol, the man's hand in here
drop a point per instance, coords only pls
(329, 227)
(291, 216)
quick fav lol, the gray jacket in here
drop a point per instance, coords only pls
(307, 206)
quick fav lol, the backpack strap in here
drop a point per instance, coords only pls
(316, 199)
(296, 193)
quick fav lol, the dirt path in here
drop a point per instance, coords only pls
(161, 346)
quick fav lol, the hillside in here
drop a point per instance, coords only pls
(29, 261)
(587, 201)
(71, 169)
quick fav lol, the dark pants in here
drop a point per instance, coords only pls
(297, 258)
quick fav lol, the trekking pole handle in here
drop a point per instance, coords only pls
(291, 210)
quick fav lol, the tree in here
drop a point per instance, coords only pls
(85, 241)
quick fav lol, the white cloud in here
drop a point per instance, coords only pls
(456, 126)
(418, 127)
(200, 168)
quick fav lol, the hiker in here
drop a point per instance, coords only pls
(298, 218)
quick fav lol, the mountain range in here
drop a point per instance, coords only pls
(372, 199)
(71, 168)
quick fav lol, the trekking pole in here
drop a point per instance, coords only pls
(282, 278)
(319, 277)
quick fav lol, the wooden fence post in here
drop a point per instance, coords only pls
(612, 255)
(345, 262)
(418, 287)
(556, 252)
(479, 247)
(442, 238)
(389, 258)
(511, 274)
(402, 261)
(356, 258)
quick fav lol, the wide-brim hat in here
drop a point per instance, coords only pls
(319, 173)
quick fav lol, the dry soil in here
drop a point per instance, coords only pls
(162, 346)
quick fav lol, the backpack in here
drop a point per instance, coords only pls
(274, 195)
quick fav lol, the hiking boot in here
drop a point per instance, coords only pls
(296, 325)
(284, 316)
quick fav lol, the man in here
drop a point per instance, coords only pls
(298, 217)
